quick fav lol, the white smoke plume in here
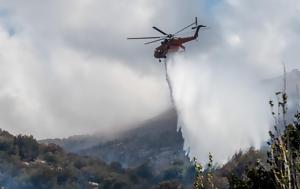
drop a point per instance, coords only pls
(221, 110)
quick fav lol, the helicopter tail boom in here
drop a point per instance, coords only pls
(187, 39)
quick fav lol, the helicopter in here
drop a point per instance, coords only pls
(170, 42)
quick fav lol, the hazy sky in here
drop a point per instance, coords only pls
(66, 67)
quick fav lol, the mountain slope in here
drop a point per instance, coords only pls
(155, 141)
(26, 164)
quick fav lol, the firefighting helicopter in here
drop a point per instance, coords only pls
(170, 42)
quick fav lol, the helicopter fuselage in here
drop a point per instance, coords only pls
(171, 45)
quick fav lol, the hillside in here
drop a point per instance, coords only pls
(155, 141)
(26, 164)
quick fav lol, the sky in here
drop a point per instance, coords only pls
(66, 67)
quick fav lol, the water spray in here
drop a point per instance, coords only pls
(169, 82)
(219, 110)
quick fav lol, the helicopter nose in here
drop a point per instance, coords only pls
(157, 54)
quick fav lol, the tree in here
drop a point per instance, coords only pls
(28, 147)
(282, 171)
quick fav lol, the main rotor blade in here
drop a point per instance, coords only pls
(144, 37)
(159, 30)
(184, 28)
(154, 41)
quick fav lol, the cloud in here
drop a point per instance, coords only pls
(67, 92)
(264, 34)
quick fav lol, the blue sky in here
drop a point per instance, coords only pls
(210, 4)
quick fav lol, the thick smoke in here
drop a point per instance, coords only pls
(222, 110)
